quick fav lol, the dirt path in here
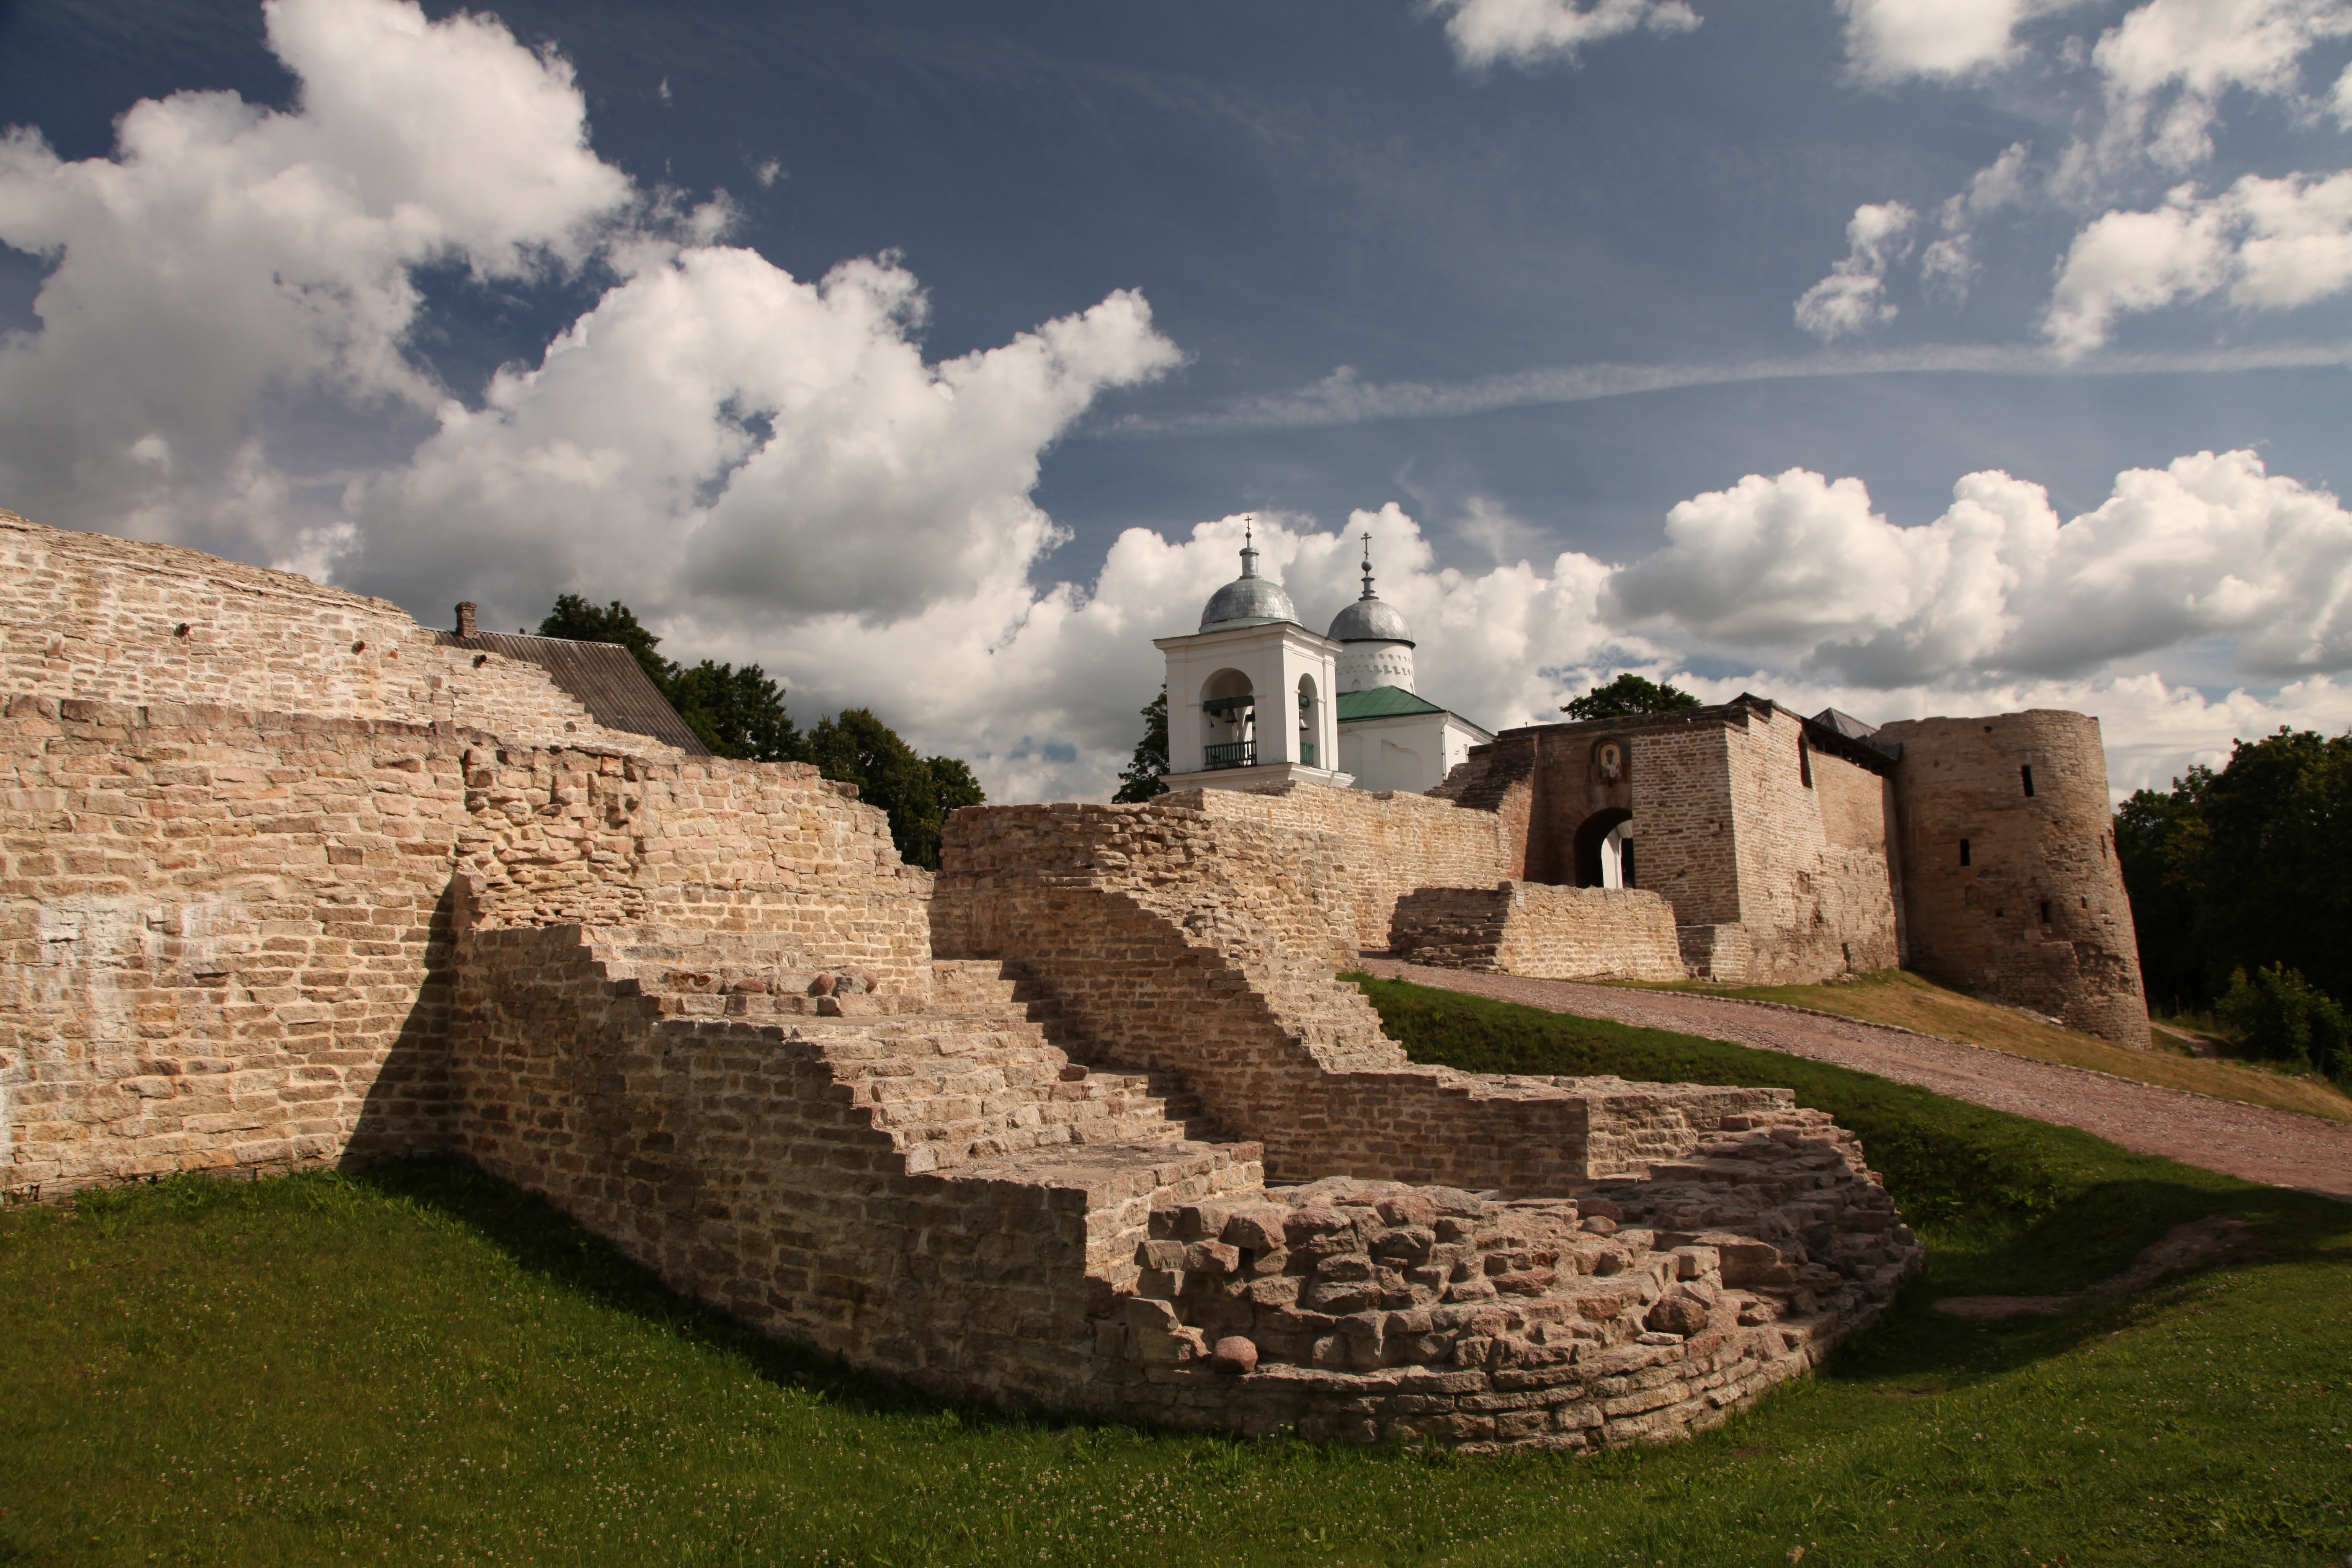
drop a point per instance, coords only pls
(2276, 1147)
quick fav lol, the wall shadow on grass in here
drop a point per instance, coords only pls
(543, 1241)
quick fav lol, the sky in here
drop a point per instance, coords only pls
(1904, 356)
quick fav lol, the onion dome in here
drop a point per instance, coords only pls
(1368, 619)
(1248, 598)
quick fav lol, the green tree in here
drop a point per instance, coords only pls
(740, 713)
(1144, 776)
(737, 712)
(576, 619)
(2280, 1017)
(2244, 868)
(857, 748)
(951, 777)
(1627, 695)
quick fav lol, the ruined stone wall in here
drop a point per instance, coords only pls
(1204, 945)
(1817, 888)
(2038, 916)
(577, 838)
(89, 616)
(226, 938)
(735, 1160)
(228, 932)
(1386, 844)
(1542, 931)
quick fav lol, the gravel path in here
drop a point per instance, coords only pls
(2280, 1148)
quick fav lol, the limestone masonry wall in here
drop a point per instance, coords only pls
(1205, 945)
(576, 838)
(1388, 844)
(229, 933)
(113, 620)
(1541, 931)
(2036, 913)
(1817, 892)
(227, 939)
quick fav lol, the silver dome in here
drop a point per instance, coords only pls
(1370, 620)
(1248, 597)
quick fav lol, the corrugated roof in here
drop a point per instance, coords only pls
(1383, 702)
(604, 677)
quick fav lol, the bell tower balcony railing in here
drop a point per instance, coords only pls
(1231, 754)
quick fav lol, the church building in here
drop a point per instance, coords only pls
(1360, 721)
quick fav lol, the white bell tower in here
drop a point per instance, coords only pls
(1252, 696)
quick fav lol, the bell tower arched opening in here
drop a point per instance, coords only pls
(1228, 721)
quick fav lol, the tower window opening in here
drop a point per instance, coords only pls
(1805, 762)
(2045, 912)
(2103, 847)
(1964, 852)
(2026, 773)
(2086, 901)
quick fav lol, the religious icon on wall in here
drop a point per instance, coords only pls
(1611, 760)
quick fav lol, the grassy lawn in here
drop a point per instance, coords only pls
(1896, 996)
(420, 1365)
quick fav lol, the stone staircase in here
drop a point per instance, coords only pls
(974, 1074)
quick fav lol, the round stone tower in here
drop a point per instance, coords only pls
(2011, 885)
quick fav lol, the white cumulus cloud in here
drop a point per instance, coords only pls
(2262, 244)
(1805, 569)
(228, 255)
(1525, 32)
(1853, 297)
(716, 432)
(1888, 40)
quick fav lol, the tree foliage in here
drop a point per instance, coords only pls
(739, 713)
(2279, 1016)
(2243, 870)
(1144, 776)
(917, 792)
(1627, 695)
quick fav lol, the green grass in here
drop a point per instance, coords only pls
(422, 1365)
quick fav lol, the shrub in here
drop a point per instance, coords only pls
(2278, 1015)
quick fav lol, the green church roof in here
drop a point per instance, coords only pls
(1382, 703)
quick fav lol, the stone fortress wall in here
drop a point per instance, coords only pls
(1541, 931)
(110, 620)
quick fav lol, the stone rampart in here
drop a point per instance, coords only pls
(1387, 843)
(1206, 945)
(227, 938)
(1542, 931)
(229, 932)
(1817, 879)
(90, 617)
(577, 838)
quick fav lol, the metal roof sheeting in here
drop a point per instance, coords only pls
(604, 677)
